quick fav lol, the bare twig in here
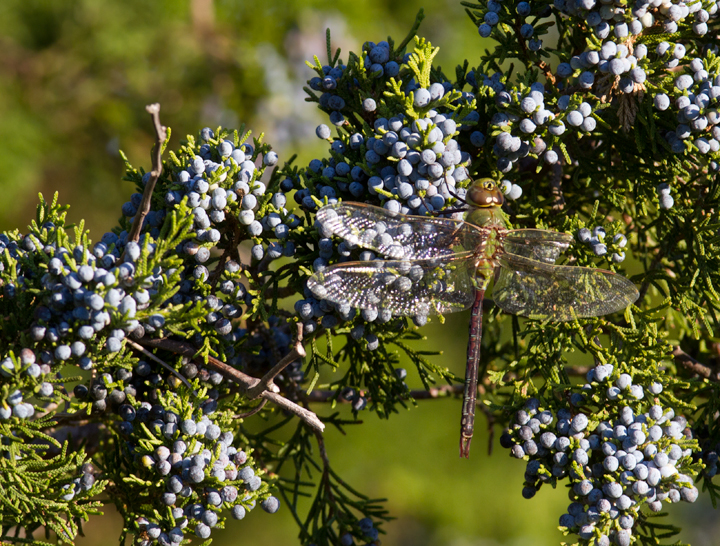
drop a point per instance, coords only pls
(164, 364)
(438, 392)
(244, 380)
(326, 470)
(689, 363)
(144, 208)
(323, 451)
(266, 383)
(253, 411)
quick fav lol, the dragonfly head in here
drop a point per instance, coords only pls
(484, 193)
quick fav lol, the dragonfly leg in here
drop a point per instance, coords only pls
(467, 422)
(456, 196)
(448, 211)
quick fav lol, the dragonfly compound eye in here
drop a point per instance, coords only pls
(485, 193)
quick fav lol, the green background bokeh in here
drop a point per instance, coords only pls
(75, 76)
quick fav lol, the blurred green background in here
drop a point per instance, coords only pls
(75, 76)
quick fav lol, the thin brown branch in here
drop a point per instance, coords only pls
(444, 391)
(547, 70)
(244, 380)
(164, 364)
(689, 363)
(253, 411)
(266, 383)
(323, 451)
(326, 471)
(144, 208)
(324, 396)
(84, 433)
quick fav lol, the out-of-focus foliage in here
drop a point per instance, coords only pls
(76, 74)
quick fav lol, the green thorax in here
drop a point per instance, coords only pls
(493, 220)
(487, 217)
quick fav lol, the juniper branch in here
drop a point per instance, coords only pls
(695, 366)
(245, 381)
(160, 137)
(164, 364)
(266, 383)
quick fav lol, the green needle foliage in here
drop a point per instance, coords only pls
(186, 374)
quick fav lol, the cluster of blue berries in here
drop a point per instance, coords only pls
(510, 190)
(37, 373)
(90, 293)
(617, 61)
(496, 12)
(524, 124)
(86, 304)
(83, 485)
(233, 200)
(618, 26)
(409, 167)
(622, 21)
(196, 471)
(356, 398)
(378, 63)
(595, 239)
(640, 454)
(224, 178)
(89, 301)
(613, 60)
(367, 532)
(378, 60)
(109, 293)
(696, 94)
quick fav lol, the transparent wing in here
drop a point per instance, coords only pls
(399, 236)
(535, 289)
(405, 288)
(538, 244)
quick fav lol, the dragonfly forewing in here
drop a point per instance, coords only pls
(399, 236)
(401, 287)
(536, 289)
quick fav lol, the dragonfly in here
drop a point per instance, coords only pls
(433, 266)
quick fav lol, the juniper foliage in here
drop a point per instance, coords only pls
(604, 125)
